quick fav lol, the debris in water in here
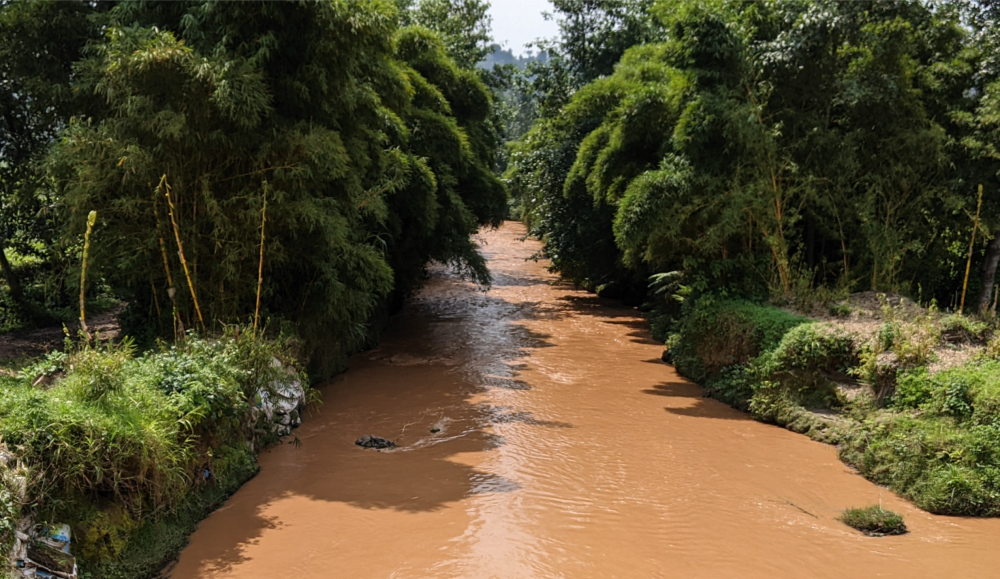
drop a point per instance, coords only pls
(376, 442)
(435, 430)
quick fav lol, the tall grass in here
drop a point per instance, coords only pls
(120, 439)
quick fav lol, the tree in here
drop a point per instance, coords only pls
(215, 109)
(464, 26)
(594, 34)
(39, 41)
(759, 141)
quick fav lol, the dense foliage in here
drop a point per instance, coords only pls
(925, 427)
(706, 158)
(768, 148)
(320, 139)
(301, 162)
(38, 45)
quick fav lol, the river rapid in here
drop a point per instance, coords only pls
(564, 448)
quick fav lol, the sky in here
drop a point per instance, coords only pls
(518, 22)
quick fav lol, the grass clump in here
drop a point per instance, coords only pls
(964, 329)
(874, 521)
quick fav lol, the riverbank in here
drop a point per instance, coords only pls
(910, 396)
(130, 451)
(565, 448)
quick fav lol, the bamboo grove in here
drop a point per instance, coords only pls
(770, 149)
(177, 123)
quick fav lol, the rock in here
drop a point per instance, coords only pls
(284, 402)
(376, 442)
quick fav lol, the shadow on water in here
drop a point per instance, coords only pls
(449, 346)
(700, 407)
(459, 362)
(505, 280)
(609, 312)
(639, 331)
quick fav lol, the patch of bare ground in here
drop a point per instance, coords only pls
(863, 314)
(952, 355)
(30, 343)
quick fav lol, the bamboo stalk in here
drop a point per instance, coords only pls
(968, 263)
(156, 302)
(180, 251)
(175, 318)
(91, 220)
(260, 266)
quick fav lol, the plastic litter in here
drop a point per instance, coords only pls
(45, 553)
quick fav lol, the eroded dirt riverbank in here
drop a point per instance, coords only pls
(565, 449)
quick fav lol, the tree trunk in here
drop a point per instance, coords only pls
(13, 283)
(989, 273)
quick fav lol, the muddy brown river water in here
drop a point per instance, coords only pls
(564, 448)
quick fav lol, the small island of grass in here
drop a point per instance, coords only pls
(874, 521)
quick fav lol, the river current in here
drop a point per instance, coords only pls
(540, 436)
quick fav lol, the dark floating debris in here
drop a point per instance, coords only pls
(376, 442)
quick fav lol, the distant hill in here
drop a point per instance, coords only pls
(501, 56)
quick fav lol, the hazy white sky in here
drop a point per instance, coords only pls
(518, 22)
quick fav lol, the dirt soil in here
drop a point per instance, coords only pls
(866, 318)
(28, 343)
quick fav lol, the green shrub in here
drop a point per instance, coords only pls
(915, 342)
(719, 333)
(914, 388)
(734, 385)
(887, 334)
(840, 310)
(797, 372)
(816, 347)
(874, 521)
(958, 391)
(992, 350)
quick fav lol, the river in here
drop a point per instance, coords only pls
(564, 448)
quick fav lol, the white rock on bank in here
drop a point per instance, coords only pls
(284, 407)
